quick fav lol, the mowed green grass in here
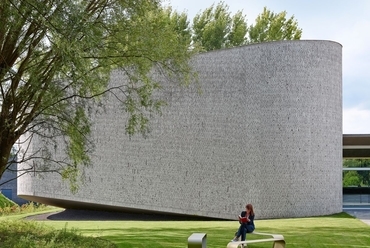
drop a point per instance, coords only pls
(340, 230)
(5, 202)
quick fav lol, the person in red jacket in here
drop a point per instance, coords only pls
(246, 220)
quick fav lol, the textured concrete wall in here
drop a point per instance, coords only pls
(266, 130)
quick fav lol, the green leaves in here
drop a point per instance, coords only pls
(270, 26)
(215, 28)
(55, 63)
(212, 28)
(78, 129)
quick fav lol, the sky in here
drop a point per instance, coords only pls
(344, 21)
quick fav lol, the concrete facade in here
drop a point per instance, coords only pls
(266, 130)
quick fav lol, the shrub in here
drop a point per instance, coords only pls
(24, 209)
(21, 234)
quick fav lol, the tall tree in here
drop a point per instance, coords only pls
(215, 28)
(239, 29)
(270, 26)
(180, 24)
(55, 61)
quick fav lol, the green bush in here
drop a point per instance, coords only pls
(8, 207)
(26, 234)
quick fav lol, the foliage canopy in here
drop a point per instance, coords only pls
(55, 62)
(215, 28)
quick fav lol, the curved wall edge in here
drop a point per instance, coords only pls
(266, 130)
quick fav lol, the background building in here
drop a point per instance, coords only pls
(9, 185)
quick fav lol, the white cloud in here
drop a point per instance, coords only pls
(356, 121)
(356, 49)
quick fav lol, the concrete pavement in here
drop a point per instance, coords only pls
(362, 214)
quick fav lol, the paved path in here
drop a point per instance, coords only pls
(361, 214)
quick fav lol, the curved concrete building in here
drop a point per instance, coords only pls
(266, 130)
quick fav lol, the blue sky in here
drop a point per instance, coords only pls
(343, 21)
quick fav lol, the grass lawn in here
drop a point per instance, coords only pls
(5, 202)
(334, 231)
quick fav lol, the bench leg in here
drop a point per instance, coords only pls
(279, 244)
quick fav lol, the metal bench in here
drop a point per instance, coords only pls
(277, 239)
(197, 240)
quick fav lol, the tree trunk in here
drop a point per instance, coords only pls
(6, 144)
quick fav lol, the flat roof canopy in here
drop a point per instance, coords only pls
(356, 145)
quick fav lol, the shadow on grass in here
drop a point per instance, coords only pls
(76, 215)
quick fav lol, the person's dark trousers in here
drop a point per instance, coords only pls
(241, 232)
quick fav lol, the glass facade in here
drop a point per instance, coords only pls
(356, 182)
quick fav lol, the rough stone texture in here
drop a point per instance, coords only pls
(266, 130)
